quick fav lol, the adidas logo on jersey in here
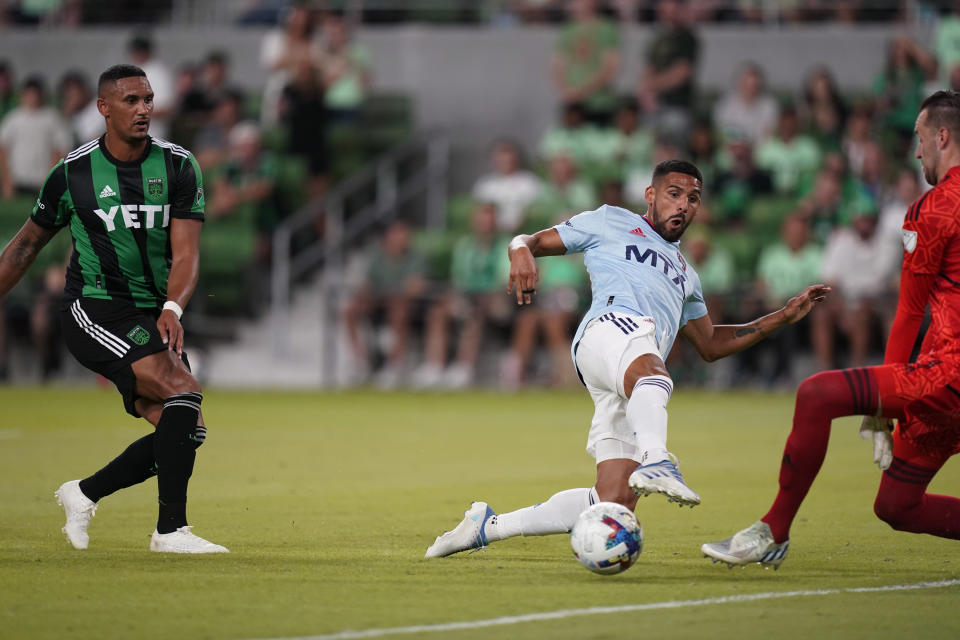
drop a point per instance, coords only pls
(637, 232)
(107, 192)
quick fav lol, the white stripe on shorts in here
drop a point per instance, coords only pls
(116, 346)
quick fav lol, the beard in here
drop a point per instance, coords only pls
(667, 231)
(930, 175)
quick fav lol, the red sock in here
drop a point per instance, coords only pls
(902, 501)
(820, 399)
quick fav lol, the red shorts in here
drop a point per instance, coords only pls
(925, 398)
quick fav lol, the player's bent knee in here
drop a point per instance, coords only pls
(178, 383)
(184, 382)
(809, 390)
(161, 376)
(828, 393)
(895, 515)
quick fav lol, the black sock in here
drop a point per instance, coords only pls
(175, 451)
(173, 515)
(131, 467)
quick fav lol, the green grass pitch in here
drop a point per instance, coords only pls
(328, 502)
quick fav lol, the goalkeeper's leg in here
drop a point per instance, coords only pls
(820, 399)
(903, 501)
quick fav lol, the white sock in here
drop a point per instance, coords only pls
(556, 515)
(647, 414)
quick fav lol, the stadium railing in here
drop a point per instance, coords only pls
(412, 173)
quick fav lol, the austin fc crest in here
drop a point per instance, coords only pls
(139, 336)
(155, 187)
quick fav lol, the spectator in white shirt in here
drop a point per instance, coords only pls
(509, 187)
(32, 139)
(860, 264)
(748, 109)
(906, 190)
(78, 107)
(161, 81)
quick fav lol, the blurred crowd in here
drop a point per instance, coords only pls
(802, 184)
(263, 155)
(75, 13)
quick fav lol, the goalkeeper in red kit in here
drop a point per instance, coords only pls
(922, 396)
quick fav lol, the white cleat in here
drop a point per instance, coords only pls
(182, 541)
(79, 510)
(467, 535)
(753, 544)
(663, 477)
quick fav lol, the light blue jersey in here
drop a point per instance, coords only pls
(633, 269)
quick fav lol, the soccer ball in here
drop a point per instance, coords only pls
(607, 538)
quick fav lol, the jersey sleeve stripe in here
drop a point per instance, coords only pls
(174, 148)
(917, 209)
(82, 150)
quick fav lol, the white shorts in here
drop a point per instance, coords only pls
(610, 343)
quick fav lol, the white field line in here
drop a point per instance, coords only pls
(591, 611)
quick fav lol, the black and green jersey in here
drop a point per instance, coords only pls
(119, 216)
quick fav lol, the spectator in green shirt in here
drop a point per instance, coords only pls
(393, 284)
(564, 192)
(245, 186)
(795, 259)
(666, 86)
(792, 260)
(476, 299)
(626, 146)
(899, 87)
(715, 267)
(788, 155)
(575, 136)
(345, 67)
(586, 60)
(947, 44)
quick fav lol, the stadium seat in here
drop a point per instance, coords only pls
(765, 215)
(459, 208)
(226, 254)
(437, 247)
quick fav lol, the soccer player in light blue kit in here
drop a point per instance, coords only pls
(644, 294)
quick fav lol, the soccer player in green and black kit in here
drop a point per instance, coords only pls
(134, 206)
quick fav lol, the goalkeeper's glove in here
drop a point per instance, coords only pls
(880, 430)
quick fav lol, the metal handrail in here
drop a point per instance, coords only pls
(330, 249)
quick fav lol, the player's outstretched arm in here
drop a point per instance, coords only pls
(713, 342)
(522, 251)
(20, 253)
(184, 271)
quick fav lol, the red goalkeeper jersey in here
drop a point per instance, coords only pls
(931, 273)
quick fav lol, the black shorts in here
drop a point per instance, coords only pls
(108, 336)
